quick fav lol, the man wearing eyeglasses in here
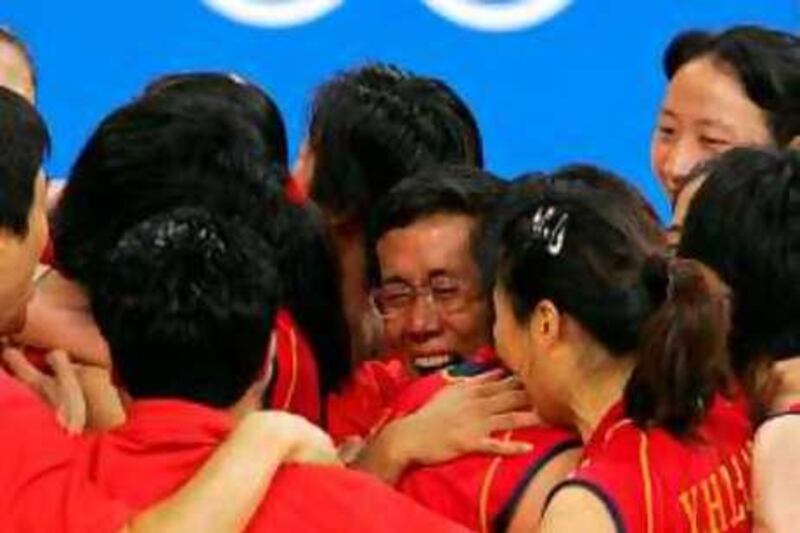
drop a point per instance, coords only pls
(432, 414)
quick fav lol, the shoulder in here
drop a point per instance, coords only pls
(576, 505)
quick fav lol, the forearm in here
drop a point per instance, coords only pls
(389, 453)
(223, 495)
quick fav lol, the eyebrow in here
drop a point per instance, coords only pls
(394, 279)
(707, 122)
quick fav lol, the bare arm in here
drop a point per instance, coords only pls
(223, 495)
(776, 475)
(576, 509)
(530, 508)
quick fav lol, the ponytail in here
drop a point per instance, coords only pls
(682, 360)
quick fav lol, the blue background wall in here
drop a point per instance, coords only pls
(582, 85)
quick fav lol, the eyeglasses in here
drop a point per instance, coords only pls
(446, 294)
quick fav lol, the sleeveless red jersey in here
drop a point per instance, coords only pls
(650, 481)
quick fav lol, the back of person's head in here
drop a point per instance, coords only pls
(147, 157)
(642, 214)
(445, 189)
(24, 143)
(583, 249)
(186, 302)
(765, 61)
(375, 125)
(198, 89)
(159, 153)
(744, 222)
(17, 73)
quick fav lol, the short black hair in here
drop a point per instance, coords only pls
(372, 126)
(444, 189)
(744, 222)
(24, 143)
(187, 302)
(194, 89)
(8, 36)
(145, 158)
(158, 153)
(765, 61)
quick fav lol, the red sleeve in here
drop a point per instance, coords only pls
(296, 386)
(43, 487)
(364, 403)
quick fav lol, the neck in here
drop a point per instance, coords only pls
(250, 401)
(598, 390)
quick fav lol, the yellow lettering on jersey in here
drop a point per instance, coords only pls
(688, 501)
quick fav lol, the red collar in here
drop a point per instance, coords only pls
(609, 423)
(174, 422)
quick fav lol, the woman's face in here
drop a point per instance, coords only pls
(528, 350)
(705, 112)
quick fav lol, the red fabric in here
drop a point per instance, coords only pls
(475, 489)
(296, 386)
(659, 483)
(794, 408)
(165, 441)
(364, 404)
(295, 192)
(472, 490)
(49, 253)
(43, 488)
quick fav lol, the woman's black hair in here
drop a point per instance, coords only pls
(744, 222)
(583, 249)
(251, 101)
(154, 155)
(372, 126)
(766, 63)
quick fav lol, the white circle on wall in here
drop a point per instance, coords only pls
(498, 16)
(273, 13)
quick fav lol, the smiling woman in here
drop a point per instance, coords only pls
(737, 88)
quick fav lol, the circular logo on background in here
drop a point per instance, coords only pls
(273, 13)
(498, 16)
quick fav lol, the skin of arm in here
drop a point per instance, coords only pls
(224, 493)
(529, 512)
(576, 509)
(776, 475)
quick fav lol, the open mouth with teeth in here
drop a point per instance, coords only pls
(432, 363)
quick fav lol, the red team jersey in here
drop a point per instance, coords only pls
(164, 442)
(479, 491)
(652, 482)
(43, 487)
(296, 382)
